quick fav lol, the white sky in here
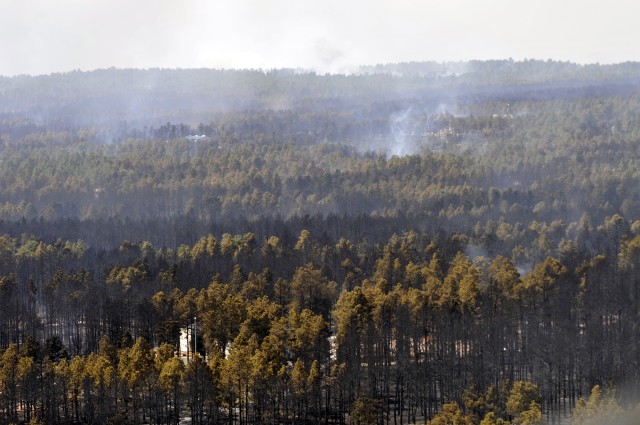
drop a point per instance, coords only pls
(43, 36)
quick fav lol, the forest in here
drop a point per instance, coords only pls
(414, 243)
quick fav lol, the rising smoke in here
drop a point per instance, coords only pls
(400, 125)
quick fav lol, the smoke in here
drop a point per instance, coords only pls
(608, 406)
(328, 57)
(446, 108)
(472, 144)
(524, 268)
(410, 135)
(400, 126)
(476, 252)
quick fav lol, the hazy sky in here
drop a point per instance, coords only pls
(43, 36)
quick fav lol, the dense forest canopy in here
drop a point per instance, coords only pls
(412, 242)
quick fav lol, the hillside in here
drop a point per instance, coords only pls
(385, 243)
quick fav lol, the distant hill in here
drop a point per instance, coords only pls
(118, 98)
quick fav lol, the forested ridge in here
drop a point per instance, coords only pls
(413, 243)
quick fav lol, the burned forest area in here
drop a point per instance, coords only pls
(412, 243)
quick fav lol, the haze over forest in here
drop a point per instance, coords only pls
(416, 242)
